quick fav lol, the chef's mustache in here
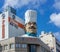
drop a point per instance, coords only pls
(32, 27)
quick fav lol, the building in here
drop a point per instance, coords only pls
(24, 44)
(57, 46)
(11, 25)
(51, 41)
(12, 33)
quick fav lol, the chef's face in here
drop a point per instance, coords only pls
(31, 27)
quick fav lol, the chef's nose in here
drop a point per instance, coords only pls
(32, 24)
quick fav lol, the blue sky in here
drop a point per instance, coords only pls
(48, 13)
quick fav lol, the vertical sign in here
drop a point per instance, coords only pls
(3, 28)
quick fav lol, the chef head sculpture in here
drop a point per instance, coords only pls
(30, 22)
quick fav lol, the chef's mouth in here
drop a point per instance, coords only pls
(32, 27)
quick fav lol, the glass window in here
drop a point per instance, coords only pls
(21, 45)
(18, 45)
(32, 48)
(13, 16)
(3, 16)
(12, 45)
(11, 23)
(5, 47)
(24, 45)
(15, 26)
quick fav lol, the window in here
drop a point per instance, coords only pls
(13, 16)
(24, 45)
(21, 45)
(3, 16)
(32, 48)
(12, 45)
(15, 26)
(18, 45)
(11, 23)
(5, 47)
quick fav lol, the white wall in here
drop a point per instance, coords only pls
(49, 40)
(10, 31)
(13, 31)
(6, 25)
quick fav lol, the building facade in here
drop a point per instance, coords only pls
(10, 24)
(57, 46)
(51, 41)
(24, 44)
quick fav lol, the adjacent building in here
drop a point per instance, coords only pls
(23, 44)
(51, 41)
(10, 24)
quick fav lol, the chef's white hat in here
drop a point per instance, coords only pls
(30, 16)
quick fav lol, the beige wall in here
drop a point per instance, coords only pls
(50, 40)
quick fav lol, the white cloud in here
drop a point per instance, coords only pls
(20, 3)
(56, 5)
(55, 18)
(57, 35)
(16, 3)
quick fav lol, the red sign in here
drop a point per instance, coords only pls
(3, 28)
